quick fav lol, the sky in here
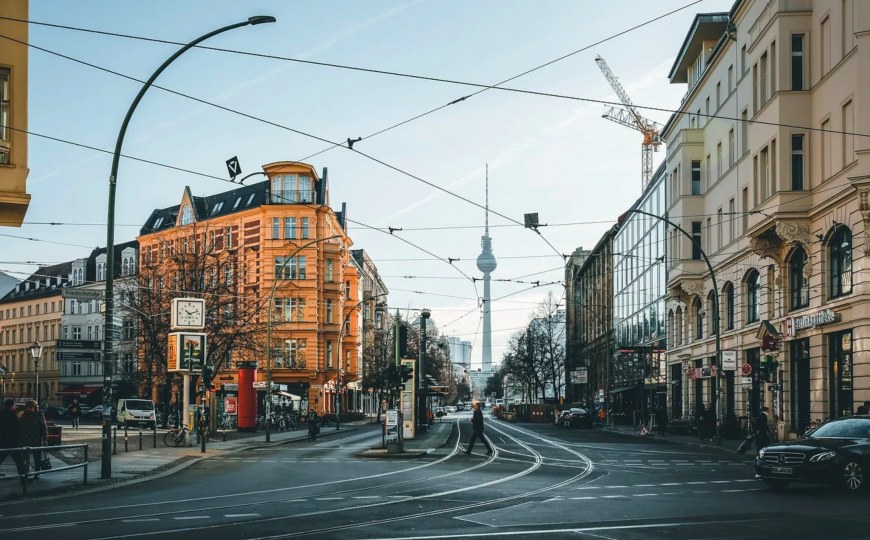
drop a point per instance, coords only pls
(552, 155)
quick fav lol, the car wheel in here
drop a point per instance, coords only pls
(776, 484)
(850, 478)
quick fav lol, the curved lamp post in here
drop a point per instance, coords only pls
(340, 367)
(108, 353)
(36, 354)
(278, 271)
(717, 393)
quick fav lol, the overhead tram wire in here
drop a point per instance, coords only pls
(416, 117)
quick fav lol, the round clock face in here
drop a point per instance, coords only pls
(189, 313)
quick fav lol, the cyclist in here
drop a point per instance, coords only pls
(313, 425)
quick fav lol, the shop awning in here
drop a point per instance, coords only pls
(77, 391)
(624, 389)
(288, 395)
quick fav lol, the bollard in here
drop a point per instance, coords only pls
(86, 465)
(140, 437)
(154, 430)
(115, 442)
(126, 449)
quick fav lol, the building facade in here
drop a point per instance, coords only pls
(638, 378)
(767, 172)
(14, 198)
(372, 327)
(275, 243)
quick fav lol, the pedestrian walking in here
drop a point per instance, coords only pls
(762, 429)
(662, 420)
(313, 427)
(75, 412)
(477, 430)
(10, 435)
(34, 433)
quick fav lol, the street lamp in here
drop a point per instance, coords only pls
(338, 379)
(36, 354)
(278, 271)
(108, 353)
(3, 370)
(717, 393)
(422, 383)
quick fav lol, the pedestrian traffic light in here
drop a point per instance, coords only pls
(407, 372)
(403, 340)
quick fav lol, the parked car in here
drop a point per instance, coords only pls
(63, 411)
(95, 412)
(836, 454)
(136, 412)
(579, 417)
(561, 417)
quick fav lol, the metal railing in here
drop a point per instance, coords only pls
(26, 451)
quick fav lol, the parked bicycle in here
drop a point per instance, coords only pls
(228, 422)
(175, 437)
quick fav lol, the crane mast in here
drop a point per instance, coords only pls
(631, 118)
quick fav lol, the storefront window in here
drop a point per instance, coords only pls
(840, 347)
(798, 284)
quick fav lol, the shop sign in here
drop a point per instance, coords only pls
(729, 360)
(745, 380)
(793, 325)
(579, 376)
(231, 405)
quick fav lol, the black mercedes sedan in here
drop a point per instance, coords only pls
(836, 454)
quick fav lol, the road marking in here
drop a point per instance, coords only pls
(645, 495)
(367, 497)
(183, 518)
(615, 487)
(139, 520)
(589, 487)
(672, 484)
(695, 483)
(720, 481)
(329, 499)
(644, 485)
(745, 480)
(614, 496)
(582, 498)
(240, 515)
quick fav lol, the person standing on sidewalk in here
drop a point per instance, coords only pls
(762, 429)
(662, 420)
(34, 433)
(10, 435)
(76, 412)
(477, 429)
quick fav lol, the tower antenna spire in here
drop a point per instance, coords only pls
(486, 213)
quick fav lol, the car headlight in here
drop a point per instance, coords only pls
(824, 456)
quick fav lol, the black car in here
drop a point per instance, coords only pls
(579, 417)
(836, 454)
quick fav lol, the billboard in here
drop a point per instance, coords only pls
(186, 352)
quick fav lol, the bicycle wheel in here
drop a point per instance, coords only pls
(170, 440)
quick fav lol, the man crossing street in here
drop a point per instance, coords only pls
(477, 429)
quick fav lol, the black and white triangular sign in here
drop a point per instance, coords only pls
(233, 167)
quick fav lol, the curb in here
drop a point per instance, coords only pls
(718, 448)
(408, 454)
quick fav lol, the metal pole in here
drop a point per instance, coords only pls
(108, 351)
(36, 364)
(421, 371)
(340, 339)
(718, 362)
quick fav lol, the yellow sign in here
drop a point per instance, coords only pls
(172, 353)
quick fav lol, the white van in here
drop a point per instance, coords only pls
(136, 412)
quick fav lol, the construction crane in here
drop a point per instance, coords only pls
(630, 117)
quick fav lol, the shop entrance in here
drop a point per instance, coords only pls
(800, 384)
(840, 346)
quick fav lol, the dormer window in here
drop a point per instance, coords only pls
(217, 208)
(158, 222)
(186, 215)
(291, 188)
(236, 205)
(250, 199)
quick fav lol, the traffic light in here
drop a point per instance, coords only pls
(403, 340)
(407, 372)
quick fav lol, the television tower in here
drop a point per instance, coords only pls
(486, 263)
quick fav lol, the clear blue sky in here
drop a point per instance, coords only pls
(556, 157)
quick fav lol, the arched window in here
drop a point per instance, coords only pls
(711, 305)
(798, 284)
(126, 269)
(753, 297)
(728, 297)
(679, 327)
(698, 313)
(186, 215)
(672, 336)
(840, 247)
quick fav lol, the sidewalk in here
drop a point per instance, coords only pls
(435, 437)
(728, 446)
(138, 465)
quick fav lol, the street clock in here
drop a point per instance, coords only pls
(188, 313)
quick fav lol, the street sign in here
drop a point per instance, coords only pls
(234, 167)
(746, 370)
(82, 294)
(76, 356)
(579, 376)
(66, 344)
(745, 380)
(729, 360)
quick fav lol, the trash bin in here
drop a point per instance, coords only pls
(54, 435)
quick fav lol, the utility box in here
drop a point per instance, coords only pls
(55, 435)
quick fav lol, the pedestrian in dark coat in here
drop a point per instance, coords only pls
(10, 435)
(75, 412)
(34, 432)
(477, 430)
(762, 429)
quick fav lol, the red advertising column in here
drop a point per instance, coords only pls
(247, 411)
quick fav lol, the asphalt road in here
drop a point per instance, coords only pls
(542, 481)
